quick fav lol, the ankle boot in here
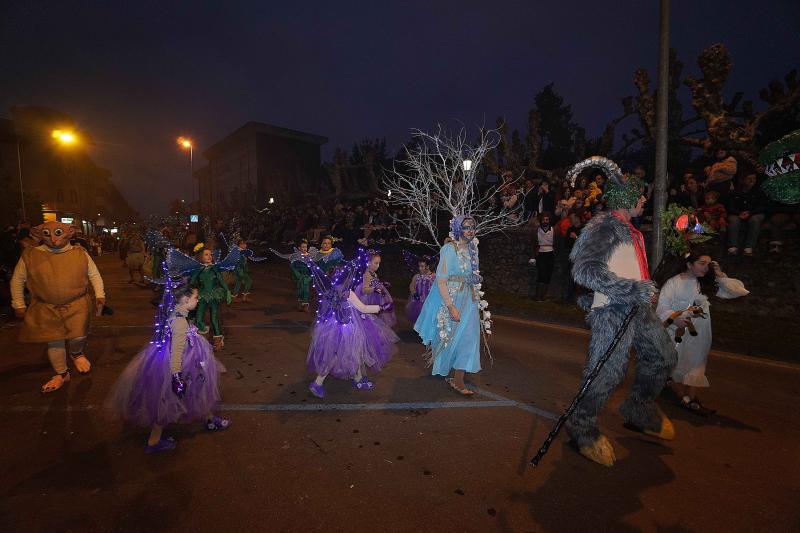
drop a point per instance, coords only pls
(218, 342)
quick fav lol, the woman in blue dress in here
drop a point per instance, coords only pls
(450, 322)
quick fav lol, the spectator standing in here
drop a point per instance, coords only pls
(746, 207)
(545, 256)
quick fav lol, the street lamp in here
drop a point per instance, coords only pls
(271, 200)
(467, 164)
(64, 137)
(186, 144)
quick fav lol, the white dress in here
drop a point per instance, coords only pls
(676, 295)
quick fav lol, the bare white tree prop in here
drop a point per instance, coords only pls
(436, 176)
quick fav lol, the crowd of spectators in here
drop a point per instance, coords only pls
(368, 223)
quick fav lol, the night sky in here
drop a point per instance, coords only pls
(137, 76)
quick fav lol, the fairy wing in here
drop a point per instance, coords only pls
(180, 264)
(251, 256)
(412, 260)
(231, 260)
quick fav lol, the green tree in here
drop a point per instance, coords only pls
(556, 130)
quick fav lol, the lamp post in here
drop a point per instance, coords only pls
(187, 144)
(68, 139)
(21, 190)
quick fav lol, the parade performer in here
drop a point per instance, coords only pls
(242, 272)
(134, 258)
(328, 257)
(609, 258)
(301, 274)
(698, 276)
(347, 340)
(206, 276)
(421, 283)
(438, 176)
(373, 291)
(174, 379)
(57, 276)
(449, 322)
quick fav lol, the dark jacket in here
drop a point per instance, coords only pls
(548, 201)
(753, 201)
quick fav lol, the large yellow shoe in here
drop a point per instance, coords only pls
(600, 452)
(667, 429)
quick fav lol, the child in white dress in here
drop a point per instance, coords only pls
(689, 288)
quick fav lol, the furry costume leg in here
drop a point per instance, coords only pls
(655, 358)
(605, 322)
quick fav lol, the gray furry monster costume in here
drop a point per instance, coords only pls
(609, 259)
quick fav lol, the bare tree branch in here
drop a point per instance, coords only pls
(430, 180)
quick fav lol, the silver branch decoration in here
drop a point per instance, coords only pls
(437, 177)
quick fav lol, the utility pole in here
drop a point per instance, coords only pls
(662, 131)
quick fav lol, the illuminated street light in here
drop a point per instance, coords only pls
(64, 136)
(271, 200)
(467, 165)
(187, 144)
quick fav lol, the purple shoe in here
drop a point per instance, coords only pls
(165, 444)
(217, 423)
(363, 384)
(316, 390)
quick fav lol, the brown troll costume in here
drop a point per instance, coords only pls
(57, 276)
(609, 258)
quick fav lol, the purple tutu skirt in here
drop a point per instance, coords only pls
(340, 350)
(417, 300)
(376, 298)
(143, 393)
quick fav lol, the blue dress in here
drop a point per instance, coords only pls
(454, 345)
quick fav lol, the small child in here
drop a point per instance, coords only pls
(712, 212)
(347, 339)
(372, 291)
(174, 379)
(421, 284)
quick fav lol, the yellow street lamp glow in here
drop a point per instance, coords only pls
(64, 137)
(185, 142)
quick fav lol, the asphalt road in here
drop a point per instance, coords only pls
(408, 456)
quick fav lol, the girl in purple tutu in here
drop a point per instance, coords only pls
(421, 284)
(372, 291)
(348, 339)
(174, 379)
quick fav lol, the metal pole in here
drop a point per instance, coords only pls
(191, 169)
(662, 104)
(21, 191)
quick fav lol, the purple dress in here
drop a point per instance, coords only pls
(415, 301)
(143, 393)
(341, 349)
(378, 298)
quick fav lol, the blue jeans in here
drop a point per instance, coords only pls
(753, 223)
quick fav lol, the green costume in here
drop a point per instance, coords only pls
(302, 278)
(212, 290)
(243, 279)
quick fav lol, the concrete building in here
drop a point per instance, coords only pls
(257, 162)
(59, 182)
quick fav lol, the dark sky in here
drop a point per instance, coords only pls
(138, 74)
